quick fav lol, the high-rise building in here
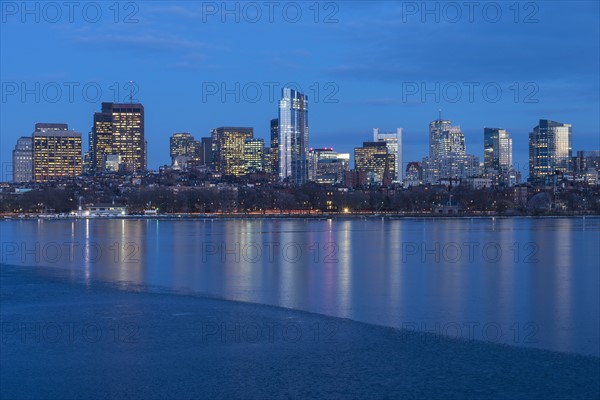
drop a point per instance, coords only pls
(182, 147)
(119, 130)
(497, 155)
(275, 146)
(450, 167)
(327, 166)
(228, 149)
(267, 163)
(447, 154)
(586, 166)
(586, 159)
(205, 151)
(437, 137)
(253, 155)
(293, 136)
(22, 157)
(550, 151)
(375, 159)
(56, 152)
(393, 141)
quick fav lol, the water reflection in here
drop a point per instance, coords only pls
(515, 275)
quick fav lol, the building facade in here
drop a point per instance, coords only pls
(293, 137)
(393, 141)
(550, 151)
(205, 151)
(119, 130)
(56, 152)
(414, 174)
(253, 155)
(274, 150)
(229, 145)
(448, 158)
(586, 166)
(375, 159)
(497, 156)
(437, 137)
(182, 147)
(327, 166)
(22, 158)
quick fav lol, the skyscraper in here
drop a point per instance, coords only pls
(393, 141)
(497, 154)
(550, 151)
(448, 158)
(375, 159)
(275, 146)
(22, 157)
(119, 130)
(267, 163)
(327, 166)
(586, 166)
(437, 129)
(293, 136)
(228, 149)
(205, 151)
(56, 152)
(253, 155)
(182, 147)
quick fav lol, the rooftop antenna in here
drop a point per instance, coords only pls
(131, 92)
(440, 114)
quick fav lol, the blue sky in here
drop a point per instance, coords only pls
(363, 65)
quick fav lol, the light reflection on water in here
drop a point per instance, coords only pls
(523, 281)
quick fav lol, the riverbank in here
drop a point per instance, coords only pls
(350, 215)
(86, 339)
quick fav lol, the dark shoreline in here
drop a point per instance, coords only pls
(389, 216)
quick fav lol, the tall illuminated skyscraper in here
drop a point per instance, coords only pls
(448, 158)
(437, 137)
(253, 155)
(550, 151)
(293, 136)
(119, 130)
(229, 144)
(275, 146)
(56, 152)
(393, 141)
(497, 154)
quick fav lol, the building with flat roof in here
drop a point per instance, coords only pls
(119, 129)
(56, 152)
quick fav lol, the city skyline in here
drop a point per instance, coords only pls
(523, 169)
(447, 147)
(349, 95)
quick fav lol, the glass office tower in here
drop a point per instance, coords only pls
(293, 137)
(550, 151)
